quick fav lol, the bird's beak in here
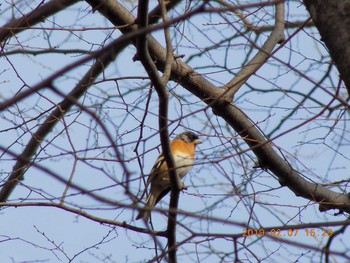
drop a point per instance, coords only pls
(198, 141)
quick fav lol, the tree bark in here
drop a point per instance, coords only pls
(332, 19)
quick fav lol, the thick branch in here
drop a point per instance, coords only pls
(332, 19)
(37, 15)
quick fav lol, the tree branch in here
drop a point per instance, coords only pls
(24, 161)
(159, 84)
(210, 94)
(332, 21)
(116, 46)
(37, 15)
(276, 36)
(86, 215)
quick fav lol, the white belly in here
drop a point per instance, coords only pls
(183, 164)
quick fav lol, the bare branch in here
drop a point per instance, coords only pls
(23, 163)
(330, 19)
(160, 86)
(37, 15)
(86, 215)
(83, 140)
(267, 156)
(276, 36)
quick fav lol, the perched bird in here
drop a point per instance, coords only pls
(182, 149)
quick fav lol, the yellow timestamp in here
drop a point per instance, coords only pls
(291, 232)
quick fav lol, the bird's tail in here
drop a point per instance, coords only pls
(150, 203)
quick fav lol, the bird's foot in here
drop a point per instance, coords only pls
(183, 186)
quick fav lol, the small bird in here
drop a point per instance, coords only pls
(183, 150)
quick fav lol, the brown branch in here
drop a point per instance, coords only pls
(276, 36)
(210, 94)
(169, 48)
(327, 248)
(259, 29)
(24, 160)
(332, 21)
(287, 25)
(64, 181)
(35, 141)
(156, 14)
(174, 178)
(45, 51)
(86, 215)
(37, 15)
(159, 84)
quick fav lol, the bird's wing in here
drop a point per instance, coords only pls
(156, 167)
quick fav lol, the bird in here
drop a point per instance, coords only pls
(183, 152)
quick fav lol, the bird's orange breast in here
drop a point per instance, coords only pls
(183, 147)
(183, 154)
